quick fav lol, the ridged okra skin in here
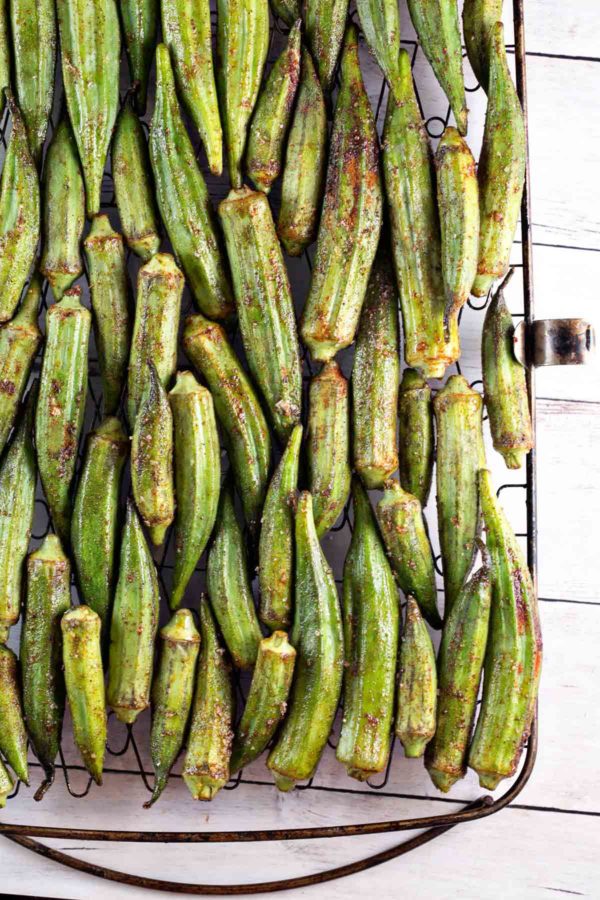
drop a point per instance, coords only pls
(328, 445)
(460, 455)
(459, 667)
(133, 624)
(267, 700)
(229, 588)
(479, 17)
(13, 739)
(438, 30)
(152, 459)
(238, 410)
(19, 215)
(17, 500)
(264, 305)
(157, 312)
(140, 24)
(505, 385)
(242, 46)
(111, 307)
(197, 476)
(90, 42)
(33, 30)
(458, 204)
(61, 404)
(415, 231)
(375, 380)
(380, 22)
(206, 764)
(405, 536)
(288, 11)
(183, 199)
(305, 160)
(19, 343)
(84, 680)
(5, 54)
(187, 33)
(317, 636)
(272, 114)
(371, 628)
(324, 25)
(350, 218)
(172, 692)
(96, 513)
(63, 211)
(501, 171)
(134, 188)
(415, 435)
(48, 598)
(6, 784)
(276, 545)
(417, 686)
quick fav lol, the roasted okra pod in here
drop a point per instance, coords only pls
(6, 784)
(417, 687)
(416, 442)
(324, 24)
(380, 22)
(5, 56)
(140, 24)
(13, 739)
(479, 17)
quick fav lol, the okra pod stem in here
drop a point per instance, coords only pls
(13, 739)
(416, 442)
(417, 687)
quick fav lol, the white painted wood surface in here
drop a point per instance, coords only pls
(550, 841)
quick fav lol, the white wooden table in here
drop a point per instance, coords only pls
(549, 842)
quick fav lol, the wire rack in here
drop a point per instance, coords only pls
(131, 744)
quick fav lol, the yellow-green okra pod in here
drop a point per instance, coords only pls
(375, 380)
(186, 29)
(318, 638)
(267, 700)
(19, 342)
(324, 24)
(328, 445)
(183, 199)
(140, 25)
(289, 11)
(61, 404)
(380, 22)
(197, 476)
(276, 545)
(84, 680)
(238, 410)
(229, 588)
(63, 211)
(13, 739)
(272, 114)
(95, 515)
(514, 653)
(371, 626)
(110, 299)
(172, 692)
(133, 624)
(350, 218)
(416, 442)
(152, 459)
(206, 764)
(417, 686)
(501, 171)
(479, 17)
(5, 54)
(264, 304)
(6, 784)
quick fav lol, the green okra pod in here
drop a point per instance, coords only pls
(371, 627)
(405, 535)
(238, 410)
(84, 680)
(206, 764)
(501, 171)
(197, 476)
(350, 218)
(328, 445)
(264, 305)
(110, 299)
(13, 739)
(417, 686)
(289, 11)
(61, 404)
(140, 25)
(479, 17)
(133, 624)
(6, 784)
(375, 380)
(267, 700)
(514, 652)
(172, 692)
(276, 545)
(324, 24)
(5, 54)
(380, 22)
(318, 638)
(416, 442)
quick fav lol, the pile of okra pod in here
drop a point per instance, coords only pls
(397, 231)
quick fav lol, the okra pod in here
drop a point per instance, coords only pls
(417, 686)
(371, 626)
(479, 17)
(6, 784)
(13, 739)
(197, 476)
(324, 24)
(84, 680)
(19, 343)
(289, 11)
(264, 305)
(416, 443)
(350, 218)
(380, 22)
(514, 653)
(5, 57)
(267, 700)
(206, 764)
(140, 25)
